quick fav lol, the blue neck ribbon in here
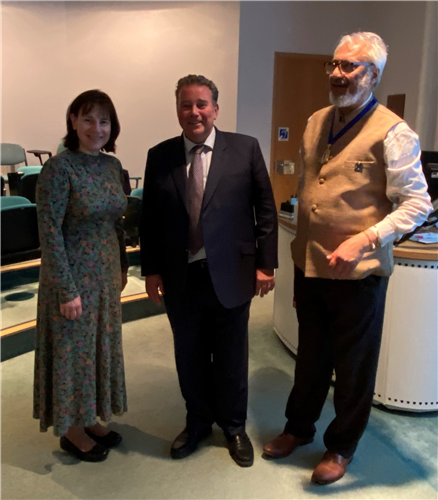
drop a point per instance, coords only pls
(353, 122)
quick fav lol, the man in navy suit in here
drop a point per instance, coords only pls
(208, 244)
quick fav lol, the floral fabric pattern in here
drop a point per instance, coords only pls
(79, 370)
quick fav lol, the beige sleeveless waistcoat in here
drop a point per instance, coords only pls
(346, 195)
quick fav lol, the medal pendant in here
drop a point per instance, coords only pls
(326, 156)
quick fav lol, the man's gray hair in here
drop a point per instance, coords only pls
(375, 46)
(197, 80)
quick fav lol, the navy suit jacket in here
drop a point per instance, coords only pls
(239, 218)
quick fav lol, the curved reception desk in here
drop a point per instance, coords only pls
(407, 374)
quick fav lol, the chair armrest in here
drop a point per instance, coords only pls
(39, 152)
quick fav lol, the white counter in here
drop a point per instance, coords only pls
(407, 374)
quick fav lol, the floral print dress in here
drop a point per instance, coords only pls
(79, 371)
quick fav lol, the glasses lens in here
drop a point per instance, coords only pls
(329, 67)
(347, 66)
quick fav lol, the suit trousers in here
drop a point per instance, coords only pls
(211, 352)
(340, 328)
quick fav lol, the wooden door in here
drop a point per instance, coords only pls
(300, 88)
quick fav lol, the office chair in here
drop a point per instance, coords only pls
(27, 187)
(39, 152)
(30, 169)
(138, 192)
(13, 201)
(125, 182)
(19, 233)
(12, 154)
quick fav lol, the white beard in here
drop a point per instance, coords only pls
(347, 100)
(344, 101)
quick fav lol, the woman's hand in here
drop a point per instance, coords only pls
(73, 309)
(124, 280)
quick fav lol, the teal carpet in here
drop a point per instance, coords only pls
(396, 459)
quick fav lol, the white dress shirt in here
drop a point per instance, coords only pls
(406, 186)
(206, 161)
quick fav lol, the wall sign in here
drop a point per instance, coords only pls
(283, 133)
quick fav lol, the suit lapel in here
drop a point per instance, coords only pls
(179, 170)
(218, 160)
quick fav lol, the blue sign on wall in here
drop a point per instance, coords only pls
(283, 133)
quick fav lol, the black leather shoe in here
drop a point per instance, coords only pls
(187, 442)
(111, 440)
(241, 449)
(97, 454)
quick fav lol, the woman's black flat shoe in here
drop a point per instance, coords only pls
(97, 454)
(111, 440)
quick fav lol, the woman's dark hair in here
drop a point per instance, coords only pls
(84, 103)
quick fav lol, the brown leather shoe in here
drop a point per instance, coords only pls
(283, 445)
(331, 468)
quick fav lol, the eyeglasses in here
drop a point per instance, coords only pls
(344, 66)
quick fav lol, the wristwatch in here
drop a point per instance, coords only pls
(378, 243)
(372, 245)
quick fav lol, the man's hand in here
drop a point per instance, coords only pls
(344, 260)
(154, 283)
(265, 281)
(72, 309)
(124, 281)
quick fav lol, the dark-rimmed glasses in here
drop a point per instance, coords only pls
(344, 66)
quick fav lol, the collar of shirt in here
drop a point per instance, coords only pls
(209, 142)
(343, 120)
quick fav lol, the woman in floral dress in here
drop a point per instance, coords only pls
(79, 371)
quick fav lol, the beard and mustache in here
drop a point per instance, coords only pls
(347, 100)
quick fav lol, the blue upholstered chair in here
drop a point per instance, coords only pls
(13, 201)
(125, 182)
(138, 192)
(27, 186)
(19, 231)
(30, 169)
(12, 154)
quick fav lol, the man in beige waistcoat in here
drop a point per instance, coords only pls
(361, 187)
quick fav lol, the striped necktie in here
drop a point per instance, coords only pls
(196, 194)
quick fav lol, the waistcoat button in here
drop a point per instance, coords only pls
(321, 180)
(314, 207)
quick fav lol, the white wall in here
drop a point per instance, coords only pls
(134, 51)
(315, 28)
(427, 109)
(401, 25)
